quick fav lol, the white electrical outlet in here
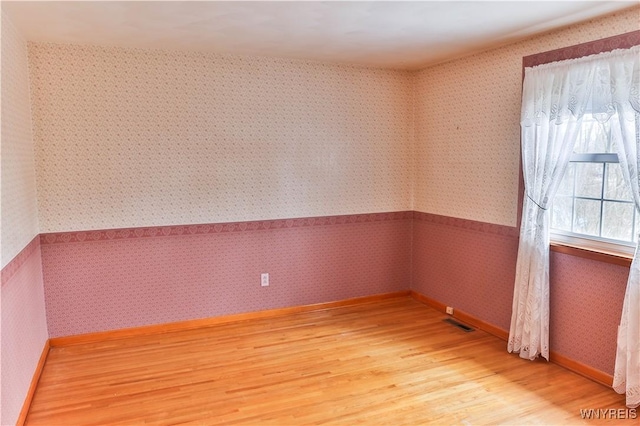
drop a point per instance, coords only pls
(449, 310)
(264, 279)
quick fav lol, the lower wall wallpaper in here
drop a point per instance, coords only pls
(104, 280)
(471, 266)
(586, 299)
(114, 279)
(24, 327)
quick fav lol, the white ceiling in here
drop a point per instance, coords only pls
(388, 34)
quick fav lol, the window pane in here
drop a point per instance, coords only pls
(586, 218)
(617, 220)
(566, 186)
(562, 213)
(589, 179)
(615, 188)
(593, 137)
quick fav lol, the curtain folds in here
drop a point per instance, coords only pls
(625, 95)
(555, 98)
(553, 102)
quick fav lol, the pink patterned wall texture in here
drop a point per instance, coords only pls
(465, 264)
(118, 278)
(586, 303)
(24, 327)
(471, 266)
(107, 280)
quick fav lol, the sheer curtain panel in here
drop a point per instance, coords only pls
(553, 102)
(555, 97)
(622, 103)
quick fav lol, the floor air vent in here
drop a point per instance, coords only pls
(461, 326)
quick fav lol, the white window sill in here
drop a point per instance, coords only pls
(615, 257)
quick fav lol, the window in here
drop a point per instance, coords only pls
(593, 207)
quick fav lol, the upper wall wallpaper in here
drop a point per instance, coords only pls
(468, 124)
(129, 138)
(19, 207)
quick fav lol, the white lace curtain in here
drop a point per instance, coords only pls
(625, 95)
(555, 98)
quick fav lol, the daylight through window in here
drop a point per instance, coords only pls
(593, 205)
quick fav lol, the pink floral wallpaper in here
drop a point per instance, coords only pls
(467, 131)
(98, 281)
(24, 328)
(586, 302)
(471, 266)
(130, 138)
(465, 264)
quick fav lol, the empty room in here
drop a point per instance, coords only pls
(297, 213)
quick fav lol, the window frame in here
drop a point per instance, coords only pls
(592, 242)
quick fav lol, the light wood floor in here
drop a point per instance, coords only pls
(392, 362)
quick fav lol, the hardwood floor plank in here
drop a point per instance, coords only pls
(393, 362)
